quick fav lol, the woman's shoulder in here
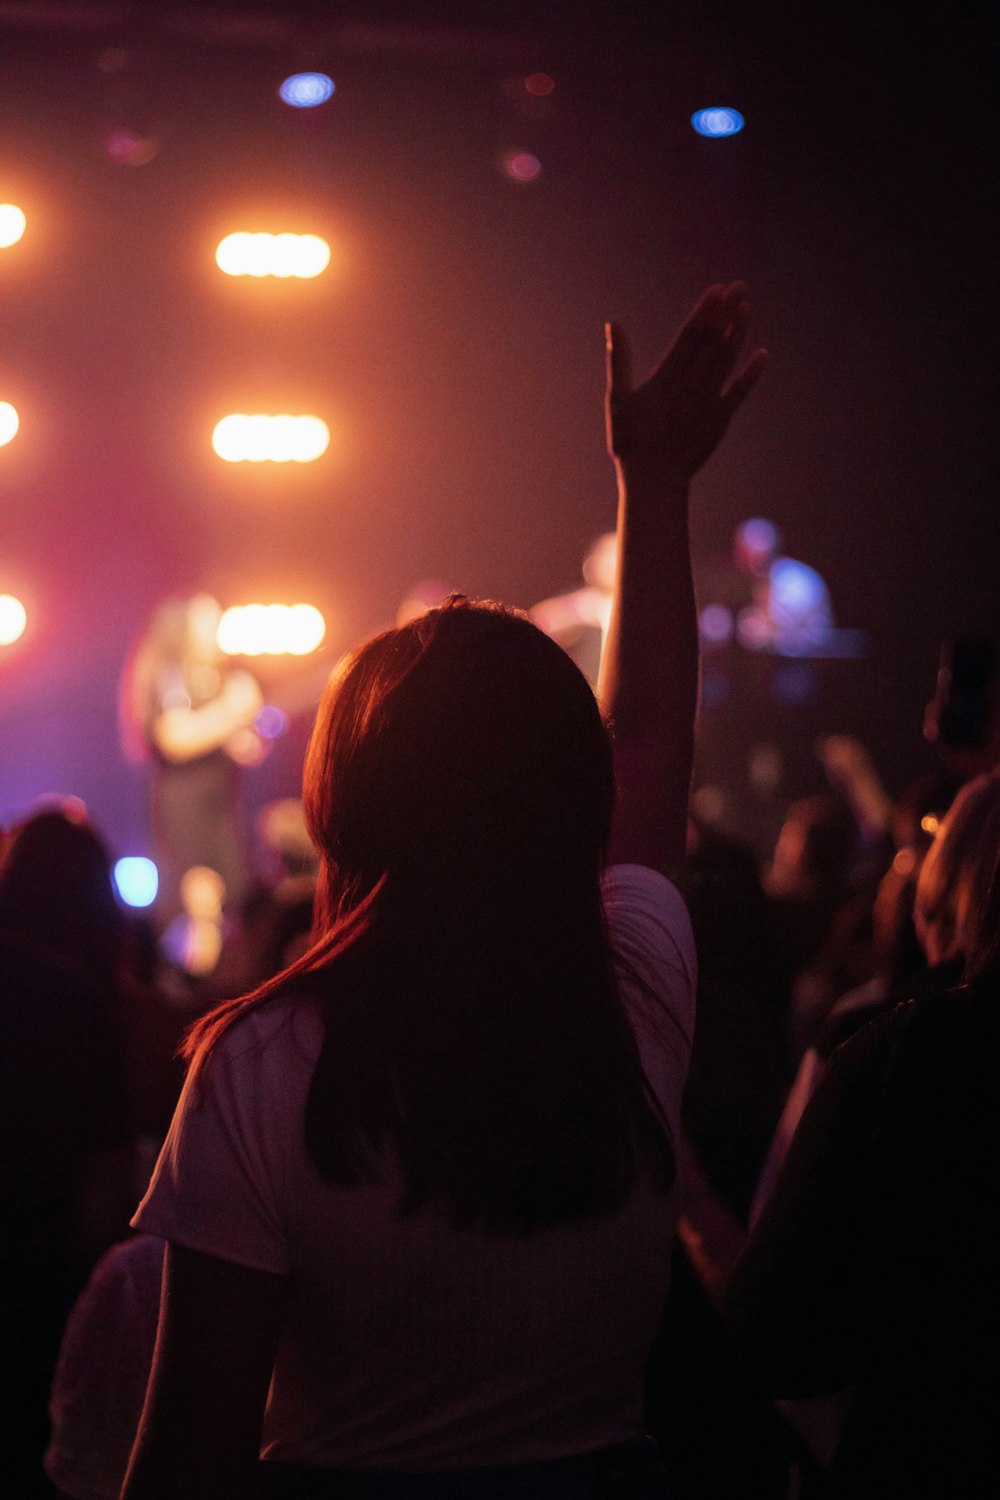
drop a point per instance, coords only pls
(639, 890)
(644, 910)
(652, 945)
(278, 1033)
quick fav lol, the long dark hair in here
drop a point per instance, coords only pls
(459, 786)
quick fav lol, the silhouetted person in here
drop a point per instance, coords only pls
(64, 1127)
(422, 1185)
(871, 1274)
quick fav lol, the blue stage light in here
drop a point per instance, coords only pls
(306, 90)
(137, 880)
(717, 121)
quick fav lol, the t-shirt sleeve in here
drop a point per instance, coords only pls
(219, 1185)
(653, 947)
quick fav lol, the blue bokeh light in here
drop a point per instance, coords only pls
(306, 90)
(717, 121)
(137, 880)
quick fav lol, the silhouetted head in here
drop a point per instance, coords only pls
(957, 909)
(55, 891)
(459, 786)
(458, 757)
(755, 545)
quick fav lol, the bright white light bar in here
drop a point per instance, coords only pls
(271, 630)
(12, 224)
(301, 255)
(9, 422)
(13, 619)
(265, 439)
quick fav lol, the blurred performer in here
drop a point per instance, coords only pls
(773, 604)
(579, 620)
(191, 716)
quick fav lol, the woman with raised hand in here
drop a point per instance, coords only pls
(420, 1190)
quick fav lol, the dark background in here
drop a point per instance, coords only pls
(455, 344)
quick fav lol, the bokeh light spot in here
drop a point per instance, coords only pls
(283, 255)
(539, 84)
(12, 224)
(716, 624)
(271, 722)
(137, 880)
(13, 619)
(9, 422)
(758, 535)
(306, 90)
(717, 121)
(240, 438)
(130, 150)
(306, 629)
(271, 630)
(521, 166)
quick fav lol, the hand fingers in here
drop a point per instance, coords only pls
(689, 340)
(720, 363)
(713, 360)
(738, 390)
(619, 359)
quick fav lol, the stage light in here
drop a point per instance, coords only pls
(137, 880)
(717, 121)
(130, 150)
(284, 255)
(306, 90)
(271, 630)
(758, 535)
(715, 624)
(9, 422)
(13, 619)
(271, 722)
(521, 166)
(306, 628)
(12, 224)
(280, 439)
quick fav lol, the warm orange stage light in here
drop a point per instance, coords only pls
(283, 255)
(280, 439)
(12, 224)
(13, 619)
(271, 630)
(9, 423)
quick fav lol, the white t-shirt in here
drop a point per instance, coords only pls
(409, 1345)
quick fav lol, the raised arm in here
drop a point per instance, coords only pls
(659, 434)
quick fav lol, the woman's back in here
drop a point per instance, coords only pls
(529, 1097)
(409, 1344)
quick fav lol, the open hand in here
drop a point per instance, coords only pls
(675, 419)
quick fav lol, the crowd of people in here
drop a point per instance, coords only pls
(528, 1137)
